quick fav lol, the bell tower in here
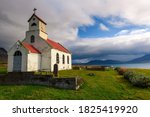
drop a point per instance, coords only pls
(37, 27)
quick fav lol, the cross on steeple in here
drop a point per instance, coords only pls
(34, 10)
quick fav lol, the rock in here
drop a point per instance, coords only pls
(91, 74)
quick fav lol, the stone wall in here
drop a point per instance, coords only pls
(66, 83)
(29, 78)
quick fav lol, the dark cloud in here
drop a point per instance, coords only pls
(130, 45)
(4, 19)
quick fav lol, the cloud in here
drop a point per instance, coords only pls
(118, 22)
(65, 16)
(103, 27)
(122, 32)
(133, 32)
(140, 31)
(129, 44)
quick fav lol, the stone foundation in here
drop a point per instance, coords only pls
(29, 78)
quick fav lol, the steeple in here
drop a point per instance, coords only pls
(37, 26)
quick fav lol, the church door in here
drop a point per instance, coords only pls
(55, 72)
(17, 61)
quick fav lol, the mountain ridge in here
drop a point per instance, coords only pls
(143, 59)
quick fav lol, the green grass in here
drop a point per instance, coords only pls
(104, 85)
(145, 71)
(3, 70)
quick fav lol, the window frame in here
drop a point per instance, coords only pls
(63, 59)
(17, 53)
(57, 58)
(68, 61)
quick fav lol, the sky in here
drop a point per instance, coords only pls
(90, 29)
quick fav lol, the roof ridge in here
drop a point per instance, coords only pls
(38, 18)
(64, 47)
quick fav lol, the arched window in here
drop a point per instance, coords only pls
(17, 53)
(63, 59)
(68, 59)
(57, 58)
(33, 24)
(32, 39)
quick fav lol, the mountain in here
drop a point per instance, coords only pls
(103, 62)
(3, 55)
(143, 59)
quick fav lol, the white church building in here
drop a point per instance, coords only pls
(36, 52)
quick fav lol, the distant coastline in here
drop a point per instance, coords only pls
(127, 65)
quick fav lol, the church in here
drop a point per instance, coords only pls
(36, 52)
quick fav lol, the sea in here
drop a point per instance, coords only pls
(131, 65)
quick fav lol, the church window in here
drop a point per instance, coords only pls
(33, 19)
(68, 59)
(33, 24)
(32, 39)
(63, 59)
(17, 53)
(57, 58)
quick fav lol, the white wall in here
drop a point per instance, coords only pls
(11, 57)
(40, 28)
(61, 66)
(34, 61)
(34, 21)
(43, 35)
(46, 59)
(39, 43)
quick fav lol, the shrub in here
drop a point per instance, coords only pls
(137, 79)
(140, 80)
(121, 70)
(96, 68)
(117, 68)
(129, 74)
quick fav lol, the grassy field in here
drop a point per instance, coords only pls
(105, 85)
(143, 71)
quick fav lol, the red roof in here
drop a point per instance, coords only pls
(31, 48)
(37, 18)
(57, 46)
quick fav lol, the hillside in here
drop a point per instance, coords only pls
(144, 59)
(103, 62)
(3, 55)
